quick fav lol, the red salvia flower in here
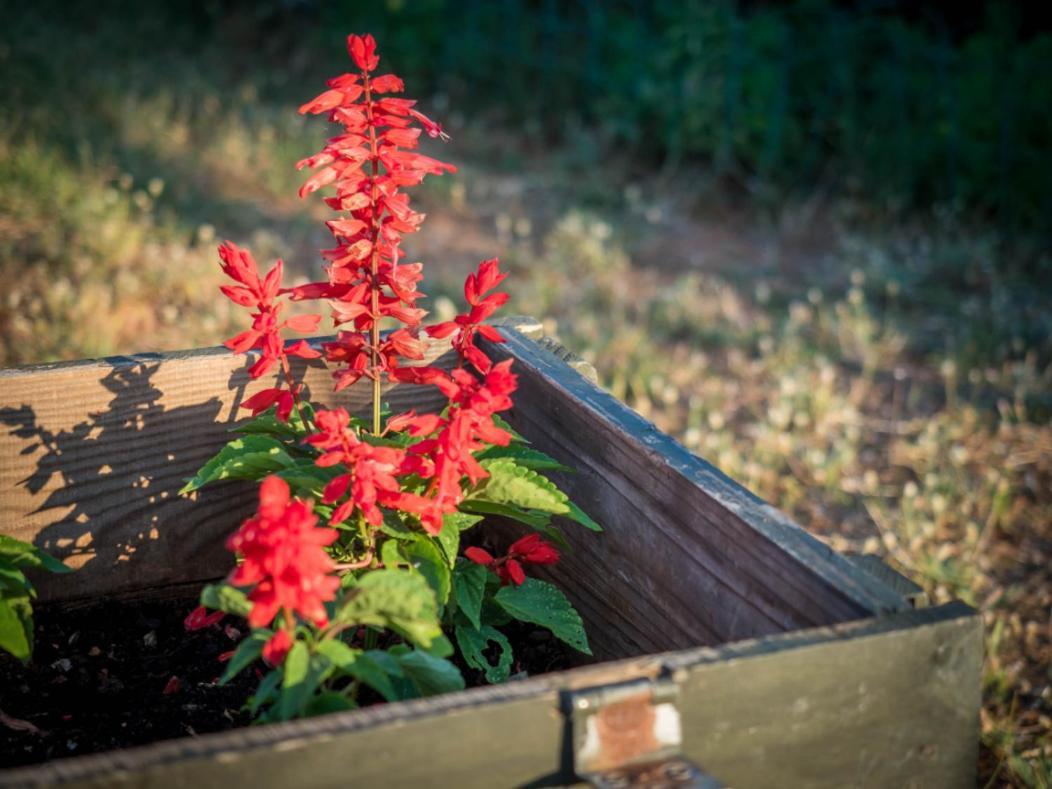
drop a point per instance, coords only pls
(277, 647)
(447, 458)
(199, 618)
(531, 549)
(368, 164)
(261, 294)
(466, 326)
(284, 558)
(370, 481)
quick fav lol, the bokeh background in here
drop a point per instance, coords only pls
(810, 239)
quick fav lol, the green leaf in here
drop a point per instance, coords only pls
(473, 643)
(306, 479)
(329, 701)
(252, 457)
(469, 586)
(543, 604)
(16, 626)
(428, 560)
(581, 517)
(265, 692)
(268, 424)
(532, 518)
(248, 652)
(397, 600)
(226, 598)
(22, 554)
(341, 655)
(510, 483)
(502, 423)
(302, 675)
(523, 456)
(379, 671)
(430, 675)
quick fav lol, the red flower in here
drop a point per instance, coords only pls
(471, 323)
(531, 549)
(199, 618)
(277, 647)
(284, 558)
(468, 425)
(368, 164)
(371, 478)
(261, 294)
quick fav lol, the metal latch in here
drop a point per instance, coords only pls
(629, 734)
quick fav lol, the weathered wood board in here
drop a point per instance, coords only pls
(796, 666)
(889, 701)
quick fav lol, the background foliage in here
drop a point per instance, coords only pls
(809, 239)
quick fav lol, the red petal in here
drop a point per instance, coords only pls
(479, 556)
(273, 497)
(262, 400)
(303, 350)
(303, 323)
(515, 572)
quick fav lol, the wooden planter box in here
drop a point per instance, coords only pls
(788, 664)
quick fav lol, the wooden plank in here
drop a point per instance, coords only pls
(709, 561)
(890, 701)
(92, 454)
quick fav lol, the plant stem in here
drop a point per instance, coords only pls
(287, 369)
(375, 258)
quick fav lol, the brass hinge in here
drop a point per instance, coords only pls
(630, 735)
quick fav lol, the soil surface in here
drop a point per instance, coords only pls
(121, 674)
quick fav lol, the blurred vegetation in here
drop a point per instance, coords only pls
(808, 239)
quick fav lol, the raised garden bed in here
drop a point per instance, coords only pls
(783, 662)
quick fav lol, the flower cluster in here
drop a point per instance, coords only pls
(284, 561)
(448, 456)
(466, 326)
(368, 164)
(531, 549)
(261, 294)
(370, 479)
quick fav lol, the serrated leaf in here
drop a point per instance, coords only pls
(226, 598)
(581, 517)
(524, 456)
(453, 523)
(398, 600)
(544, 604)
(252, 457)
(532, 518)
(469, 587)
(510, 483)
(248, 652)
(430, 675)
(473, 643)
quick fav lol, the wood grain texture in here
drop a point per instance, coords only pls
(688, 556)
(92, 455)
(888, 701)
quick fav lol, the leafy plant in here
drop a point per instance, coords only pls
(351, 573)
(17, 593)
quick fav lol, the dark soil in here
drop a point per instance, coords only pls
(120, 674)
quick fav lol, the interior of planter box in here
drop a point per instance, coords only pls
(92, 455)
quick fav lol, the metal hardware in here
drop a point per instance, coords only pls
(629, 735)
